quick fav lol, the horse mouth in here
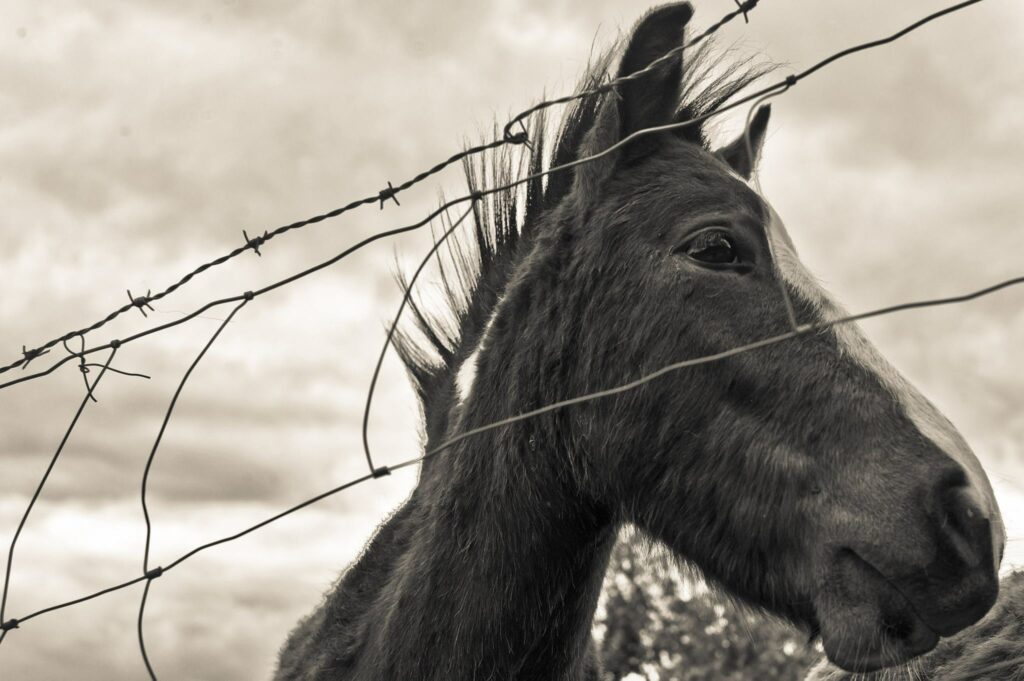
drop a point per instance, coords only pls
(866, 623)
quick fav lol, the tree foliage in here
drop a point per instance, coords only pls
(657, 623)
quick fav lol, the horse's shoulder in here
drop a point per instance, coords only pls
(593, 665)
(330, 639)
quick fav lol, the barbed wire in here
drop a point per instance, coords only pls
(786, 83)
(390, 193)
(141, 302)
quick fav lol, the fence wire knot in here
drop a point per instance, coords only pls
(388, 194)
(80, 354)
(521, 137)
(9, 624)
(381, 471)
(154, 573)
(791, 80)
(31, 355)
(141, 302)
(255, 242)
(82, 366)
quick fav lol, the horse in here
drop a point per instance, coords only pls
(807, 477)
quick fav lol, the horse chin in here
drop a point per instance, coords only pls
(865, 623)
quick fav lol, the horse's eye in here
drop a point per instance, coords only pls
(712, 247)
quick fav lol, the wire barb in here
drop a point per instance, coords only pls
(10, 624)
(141, 302)
(30, 355)
(745, 7)
(388, 194)
(255, 242)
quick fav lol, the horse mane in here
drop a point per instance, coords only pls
(477, 269)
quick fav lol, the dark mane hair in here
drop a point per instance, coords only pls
(475, 273)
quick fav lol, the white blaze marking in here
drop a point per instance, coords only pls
(467, 374)
(852, 342)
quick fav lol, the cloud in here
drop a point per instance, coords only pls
(139, 140)
(241, 597)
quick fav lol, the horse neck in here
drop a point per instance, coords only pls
(504, 562)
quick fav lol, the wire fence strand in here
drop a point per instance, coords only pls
(608, 392)
(143, 302)
(393, 327)
(90, 388)
(150, 576)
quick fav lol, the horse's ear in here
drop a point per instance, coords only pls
(646, 101)
(652, 99)
(742, 157)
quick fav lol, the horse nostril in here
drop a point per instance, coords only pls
(966, 527)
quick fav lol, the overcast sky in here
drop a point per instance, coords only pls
(138, 140)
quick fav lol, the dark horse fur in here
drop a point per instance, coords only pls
(806, 478)
(991, 650)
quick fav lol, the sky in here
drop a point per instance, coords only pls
(138, 140)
